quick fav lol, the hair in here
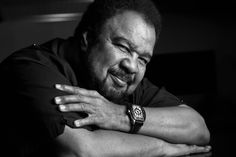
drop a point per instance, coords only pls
(99, 11)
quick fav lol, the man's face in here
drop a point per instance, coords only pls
(117, 62)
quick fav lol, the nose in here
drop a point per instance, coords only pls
(129, 65)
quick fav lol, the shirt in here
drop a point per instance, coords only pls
(28, 77)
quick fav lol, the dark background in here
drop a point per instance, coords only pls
(195, 58)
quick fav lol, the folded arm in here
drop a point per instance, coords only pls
(107, 143)
(179, 124)
(33, 92)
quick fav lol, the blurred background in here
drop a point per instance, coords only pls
(195, 58)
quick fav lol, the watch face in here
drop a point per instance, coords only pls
(138, 113)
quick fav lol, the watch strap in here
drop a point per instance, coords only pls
(136, 127)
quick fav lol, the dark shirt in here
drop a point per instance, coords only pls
(27, 81)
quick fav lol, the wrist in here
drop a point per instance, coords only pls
(122, 121)
(137, 117)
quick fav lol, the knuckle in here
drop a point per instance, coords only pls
(73, 107)
(194, 147)
(62, 87)
(81, 97)
(65, 98)
(98, 101)
(82, 122)
(93, 120)
(69, 98)
(69, 107)
(94, 92)
(67, 88)
(82, 106)
(62, 99)
(78, 96)
(93, 108)
(76, 90)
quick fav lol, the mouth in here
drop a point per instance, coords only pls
(118, 81)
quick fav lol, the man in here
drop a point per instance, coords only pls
(87, 95)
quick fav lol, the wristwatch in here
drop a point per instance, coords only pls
(137, 117)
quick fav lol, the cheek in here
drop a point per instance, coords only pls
(109, 56)
(139, 76)
(104, 58)
(141, 73)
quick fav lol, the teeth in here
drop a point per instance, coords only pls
(119, 81)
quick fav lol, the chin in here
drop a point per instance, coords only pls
(114, 94)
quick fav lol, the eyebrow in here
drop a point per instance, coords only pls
(132, 47)
(130, 44)
(147, 55)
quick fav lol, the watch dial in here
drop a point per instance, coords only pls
(138, 114)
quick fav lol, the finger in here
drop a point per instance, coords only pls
(77, 90)
(77, 107)
(73, 99)
(208, 154)
(66, 88)
(200, 149)
(86, 121)
(193, 149)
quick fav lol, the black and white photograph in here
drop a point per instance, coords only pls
(118, 78)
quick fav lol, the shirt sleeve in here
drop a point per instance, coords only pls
(30, 89)
(152, 96)
(29, 93)
(29, 115)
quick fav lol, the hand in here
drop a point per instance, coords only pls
(207, 154)
(172, 150)
(101, 112)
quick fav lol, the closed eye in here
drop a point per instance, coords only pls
(123, 48)
(144, 61)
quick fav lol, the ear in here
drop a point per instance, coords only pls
(84, 41)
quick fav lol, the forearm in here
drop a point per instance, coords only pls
(176, 124)
(180, 124)
(114, 143)
(107, 143)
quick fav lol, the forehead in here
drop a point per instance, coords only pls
(132, 26)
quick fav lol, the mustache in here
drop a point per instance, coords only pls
(121, 75)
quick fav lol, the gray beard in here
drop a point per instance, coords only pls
(113, 94)
(110, 93)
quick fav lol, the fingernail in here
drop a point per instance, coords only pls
(208, 147)
(77, 123)
(57, 100)
(58, 86)
(62, 107)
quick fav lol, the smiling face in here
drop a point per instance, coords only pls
(117, 62)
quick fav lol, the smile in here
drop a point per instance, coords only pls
(118, 81)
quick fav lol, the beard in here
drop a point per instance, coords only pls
(113, 94)
(108, 89)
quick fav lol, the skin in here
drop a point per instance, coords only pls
(118, 63)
